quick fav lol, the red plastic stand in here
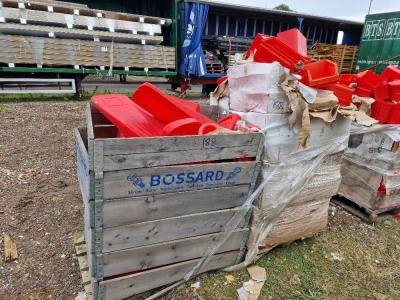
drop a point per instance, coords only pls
(163, 106)
(130, 119)
(269, 49)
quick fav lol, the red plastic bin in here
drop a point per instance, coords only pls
(294, 39)
(269, 49)
(342, 92)
(320, 74)
(380, 110)
(363, 92)
(368, 79)
(390, 73)
(347, 79)
(381, 92)
(394, 117)
(394, 88)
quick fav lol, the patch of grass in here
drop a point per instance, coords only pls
(2, 108)
(12, 98)
(307, 270)
(16, 98)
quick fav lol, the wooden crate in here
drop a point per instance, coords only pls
(154, 205)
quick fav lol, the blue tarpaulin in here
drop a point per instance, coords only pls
(193, 58)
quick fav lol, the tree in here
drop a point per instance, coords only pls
(283, 7)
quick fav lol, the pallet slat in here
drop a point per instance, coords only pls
(120, 288)
(140, 209)
(158, 231)
(147, 257)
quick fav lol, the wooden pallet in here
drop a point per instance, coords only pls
(80, 251)
(364, 214)
(344, 55)
(215, 68)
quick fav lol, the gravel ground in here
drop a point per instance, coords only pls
(40, 201)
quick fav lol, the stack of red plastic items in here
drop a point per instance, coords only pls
(324, 74)
(154, 113)
(321, 74)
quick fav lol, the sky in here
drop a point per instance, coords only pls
(354, 10)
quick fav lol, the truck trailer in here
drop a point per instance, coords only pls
(380, 42)
(175, 51)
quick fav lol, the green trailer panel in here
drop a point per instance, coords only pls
(380, 42)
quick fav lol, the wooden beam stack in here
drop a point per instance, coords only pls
(48, 33)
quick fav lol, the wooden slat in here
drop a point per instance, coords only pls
(84, 267)
(151, 152)
(173, 144)
(160, 206)
(80, 250)
(82, 165)
(158, 231)
(85, 277)
(10, 248)
(121, 288)
(83, 263)
(43, 31)
(147, 257)
(133, 161)
(147, 181)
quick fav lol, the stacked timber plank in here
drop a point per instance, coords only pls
(371, 171)
(344, 55)
(153, 206)
(54, 33)
(27, 50)
(16, 15)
